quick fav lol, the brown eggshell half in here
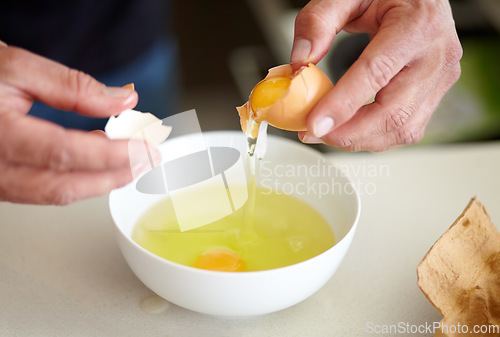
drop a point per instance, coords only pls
(307, 86)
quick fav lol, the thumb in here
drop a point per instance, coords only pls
(62, 87)
(316, 26)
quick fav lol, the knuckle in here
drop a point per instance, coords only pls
(455, 52)
(432, 18)
(59, 158)
(78, 80)
(11, 59)
(312, 15)
(450, 66)
(398, 117)
(81, 84)
(406, 136)
(429, 20)
(356, 147)
(62, 195)
(343, 110)
(379, 70)
(350, 145)
(345, 142)
(454, 74)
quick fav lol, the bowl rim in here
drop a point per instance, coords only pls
(352, 229)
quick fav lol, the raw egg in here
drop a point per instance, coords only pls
(285, 97)
(220, 260)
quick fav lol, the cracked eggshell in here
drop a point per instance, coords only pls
(307, 86)
(133, 124)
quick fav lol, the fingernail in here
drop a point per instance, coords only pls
(322, 126)
(312, 140)
(129, 86)
(118, 92)
(301, 51)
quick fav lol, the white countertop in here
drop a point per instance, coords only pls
(61, 272)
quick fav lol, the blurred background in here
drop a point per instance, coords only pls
(226, 47)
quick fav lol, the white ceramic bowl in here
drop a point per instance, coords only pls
(238, 294)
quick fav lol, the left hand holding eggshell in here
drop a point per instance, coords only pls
(44, 163)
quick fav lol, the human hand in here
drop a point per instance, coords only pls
(411, 61)
(41, 162)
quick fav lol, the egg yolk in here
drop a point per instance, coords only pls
(269, 91)
(221, 260)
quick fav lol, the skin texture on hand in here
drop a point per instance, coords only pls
(410, 63)
(41, 162)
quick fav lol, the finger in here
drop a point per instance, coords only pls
(382, 59)
(149, 153)
(62, 87)
(393, 106)
(411, 132)
(396, 44)
(99, 133)
(406, 95)
(316, 26)
(61, 149)
(25, 184)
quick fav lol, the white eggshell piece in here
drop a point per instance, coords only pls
(133, 124)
